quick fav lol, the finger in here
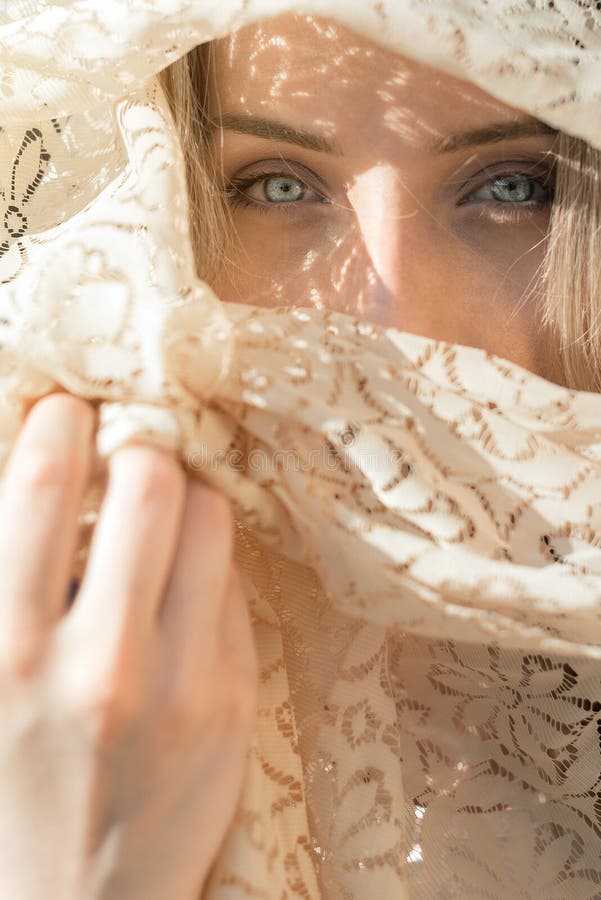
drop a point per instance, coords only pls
(193, 602)
(43, 487)
(132, 549)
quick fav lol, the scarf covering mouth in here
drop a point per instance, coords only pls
(425, 578)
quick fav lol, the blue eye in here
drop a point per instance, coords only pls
(281, 189)
(512, 188)
(515, 188)
(269, 189)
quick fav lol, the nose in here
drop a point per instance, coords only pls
(385, 217)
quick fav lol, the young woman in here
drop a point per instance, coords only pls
(352, 178)
(324, 171)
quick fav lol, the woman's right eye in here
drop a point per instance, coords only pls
(267, 189)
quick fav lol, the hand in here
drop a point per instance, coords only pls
(125, 721)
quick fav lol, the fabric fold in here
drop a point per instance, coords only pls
(397, 498)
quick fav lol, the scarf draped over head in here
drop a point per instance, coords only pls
(425, 574)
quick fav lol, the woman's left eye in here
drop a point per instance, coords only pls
(514, 188)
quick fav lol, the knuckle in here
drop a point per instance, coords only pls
(44, 467)
(227, 709)
(22, 642)
(20, 660)
(106, 708)
(150, 473)
(108, 716)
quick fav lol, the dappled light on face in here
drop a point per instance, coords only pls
(363, 181)
(385, 217)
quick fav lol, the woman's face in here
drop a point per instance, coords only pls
(362, 181)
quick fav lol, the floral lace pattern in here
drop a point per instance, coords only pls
(425, 578)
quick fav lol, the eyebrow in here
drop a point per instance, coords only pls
(492, 134)
(277, 131)
(272, 130)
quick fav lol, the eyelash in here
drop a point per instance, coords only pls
(513, 210)
(236, 196)
(542, 177)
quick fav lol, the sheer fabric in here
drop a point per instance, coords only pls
(425, 572)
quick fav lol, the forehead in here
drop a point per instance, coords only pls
(319, 71)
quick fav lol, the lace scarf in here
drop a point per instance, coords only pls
(425, 579)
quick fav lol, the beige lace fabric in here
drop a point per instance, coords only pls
(424, 572)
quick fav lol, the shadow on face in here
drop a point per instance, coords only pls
(363, 181)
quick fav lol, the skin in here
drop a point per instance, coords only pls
(389, 227)
(127, 718)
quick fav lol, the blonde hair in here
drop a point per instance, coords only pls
(571, 268)
(572, 264)
(186, 85)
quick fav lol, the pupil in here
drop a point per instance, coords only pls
(513, 188)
